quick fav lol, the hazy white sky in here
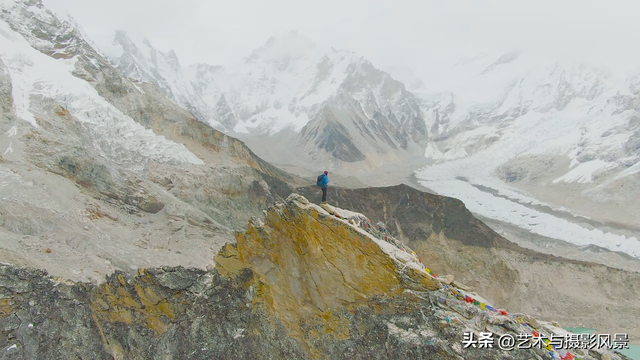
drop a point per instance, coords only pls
(411, 32)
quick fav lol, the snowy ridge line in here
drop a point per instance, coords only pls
(280, 87)
(218, 93)
(292, 92)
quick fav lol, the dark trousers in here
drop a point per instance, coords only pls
(324, 194)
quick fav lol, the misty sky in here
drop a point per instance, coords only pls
(402, 32)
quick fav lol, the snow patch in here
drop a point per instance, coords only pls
(584, 172)
(275, 120)
(12, 132)
(21, 83)
(240, 128)
(432, 152)
(457, 152)
(9, 149)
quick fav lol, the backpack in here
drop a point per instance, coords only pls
(319, 179)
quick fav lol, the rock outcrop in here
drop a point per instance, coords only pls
(447, 237)
(301, 283)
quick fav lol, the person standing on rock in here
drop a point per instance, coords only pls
(323, 182)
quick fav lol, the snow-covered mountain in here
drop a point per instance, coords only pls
(588, 110)
(516, 134)
(39, 54)
(139, 60)
(325, 106)
(322, 104)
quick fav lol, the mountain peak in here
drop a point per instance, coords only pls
(147, 42)
(291, 44)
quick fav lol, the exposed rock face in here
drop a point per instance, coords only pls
(302, 284)
(310, 263)
(450, 240)
(415, 214)
(173, 313)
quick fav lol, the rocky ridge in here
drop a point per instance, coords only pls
(301, 283)
(447, 237)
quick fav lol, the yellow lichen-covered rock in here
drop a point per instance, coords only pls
(227, 261)
(299, 285)
(302, 256)
(309, 262)
(419, 281)
(124, 302)
(5, 307)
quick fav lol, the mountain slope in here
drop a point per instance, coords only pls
(119, 176)
(557, 134)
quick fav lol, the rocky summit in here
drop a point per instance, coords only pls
(304, 282)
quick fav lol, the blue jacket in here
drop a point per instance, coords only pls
(324, 182)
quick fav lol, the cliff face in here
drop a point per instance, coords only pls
(301, 284)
